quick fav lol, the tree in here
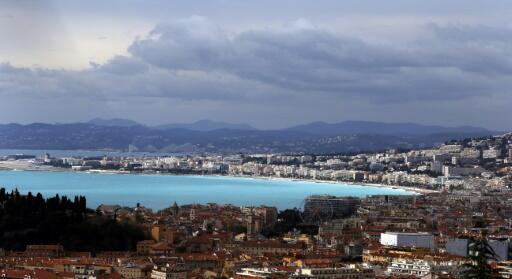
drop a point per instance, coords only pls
(480, 253)
(29, 219)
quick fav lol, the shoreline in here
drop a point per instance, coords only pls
(29, 166)
(416, 190)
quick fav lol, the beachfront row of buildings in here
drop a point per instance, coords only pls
(462, 165)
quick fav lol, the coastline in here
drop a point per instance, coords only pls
(416, 190)
(21, 165)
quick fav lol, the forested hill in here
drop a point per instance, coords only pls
(32, 219)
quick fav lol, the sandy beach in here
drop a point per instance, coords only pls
(29, 165)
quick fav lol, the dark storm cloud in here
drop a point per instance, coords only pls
(195, 59)
(309, 68)
(478, 49)
(453, 63)
(122, 65)
(127, 79)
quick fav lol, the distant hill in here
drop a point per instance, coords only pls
(86, 136)
(314, 128)
(201, 125)
(206, 125)
(380, 128)
(114, 122)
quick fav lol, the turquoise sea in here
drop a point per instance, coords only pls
(160, 191)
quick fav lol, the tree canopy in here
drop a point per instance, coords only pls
(32, 219)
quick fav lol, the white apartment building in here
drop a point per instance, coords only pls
(399, 239)
(418, 268)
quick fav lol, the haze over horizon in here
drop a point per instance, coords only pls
(210, 124)
(270, 65)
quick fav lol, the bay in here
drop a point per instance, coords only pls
(160, 191)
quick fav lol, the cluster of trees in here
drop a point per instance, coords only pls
(29, 208)
(32, 219)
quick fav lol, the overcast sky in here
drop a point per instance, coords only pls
(270, 63)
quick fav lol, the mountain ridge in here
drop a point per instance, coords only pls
(380, 128)
(207, 125)
(88, 136)
(349, 127)
(113, 122)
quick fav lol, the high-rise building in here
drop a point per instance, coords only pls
(322, 208)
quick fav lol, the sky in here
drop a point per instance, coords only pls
(270, 64)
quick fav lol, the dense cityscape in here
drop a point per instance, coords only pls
(463, 197)
(255, 139)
